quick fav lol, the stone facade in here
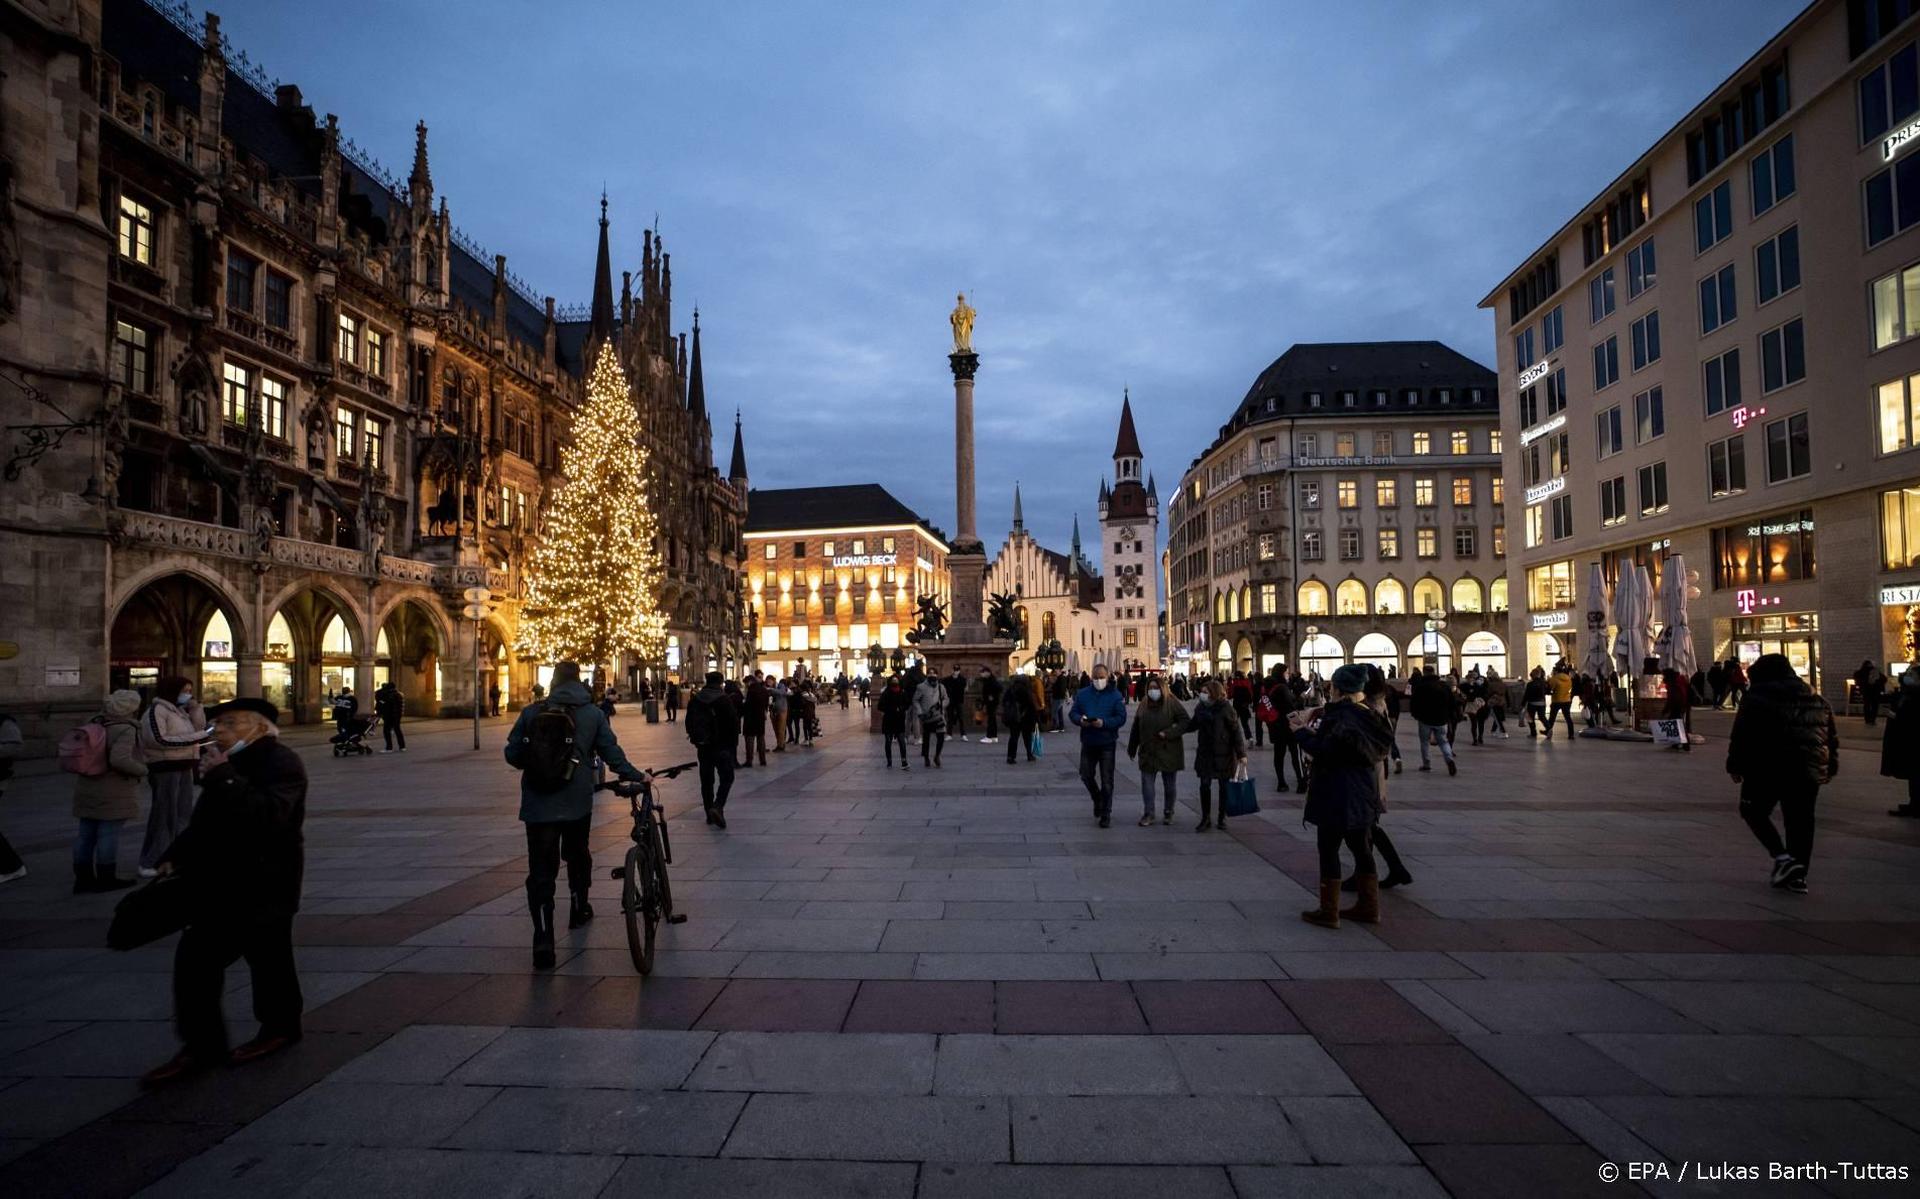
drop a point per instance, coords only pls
(1356, 489)
(307, 413)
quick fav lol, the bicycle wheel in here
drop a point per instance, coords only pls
(663, 893)
(637, 905)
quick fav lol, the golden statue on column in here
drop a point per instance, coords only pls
(962, 322)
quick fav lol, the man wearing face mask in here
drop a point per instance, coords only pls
(1159, 727)
(1100, 712)
(171, 734)
(242, 855)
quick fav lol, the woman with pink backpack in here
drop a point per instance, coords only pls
(103, 755)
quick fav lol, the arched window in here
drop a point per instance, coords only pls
(1350, 598)
(1322, 654)
(1390, 597)
(1428, 595)
(1019, 616)
(1047, 631)
(1246, 602)
(1233, 605)
(1312, 598)
(1497, 595)
(1485, 650)
(1466, 595)
(1219, 608)
(1376, 649)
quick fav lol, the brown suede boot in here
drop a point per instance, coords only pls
(1327, 915)
(1367, 910)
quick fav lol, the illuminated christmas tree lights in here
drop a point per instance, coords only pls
(593, 585)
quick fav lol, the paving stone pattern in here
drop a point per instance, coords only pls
(951, 983)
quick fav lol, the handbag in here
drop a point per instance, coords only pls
(159, 909)
(1039, 745)
(1239, 797)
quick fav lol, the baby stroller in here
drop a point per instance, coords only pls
(352, 737)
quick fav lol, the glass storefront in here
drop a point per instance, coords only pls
(1795, 634)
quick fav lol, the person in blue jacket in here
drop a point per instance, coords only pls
(1100, 712)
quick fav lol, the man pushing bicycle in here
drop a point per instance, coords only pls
(553, 745)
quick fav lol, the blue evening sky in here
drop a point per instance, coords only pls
(1151, 195)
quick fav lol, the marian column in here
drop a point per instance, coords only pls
(966, 642)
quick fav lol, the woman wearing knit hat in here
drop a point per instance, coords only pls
(105, 801)
(1347, 741)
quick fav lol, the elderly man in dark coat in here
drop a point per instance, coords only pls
(242, 855)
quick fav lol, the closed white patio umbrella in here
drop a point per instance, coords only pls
(1599, 650)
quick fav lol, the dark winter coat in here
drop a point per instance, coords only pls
(244, 850)
(1785, 733)
(894, 702)
(1431, 701)
(1218, 743)
(594, 738)
(754, 719)
(1016, 703)
(717, 722)
(389, 704)
(1900, 744)
(1347, 745)
(1156, 737)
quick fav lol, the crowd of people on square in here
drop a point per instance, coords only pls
(226, 799)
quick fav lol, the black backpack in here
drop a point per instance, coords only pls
(550, 751)
(699, 722)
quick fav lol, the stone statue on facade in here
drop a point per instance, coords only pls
(962, 322)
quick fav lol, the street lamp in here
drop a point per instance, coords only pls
(479, 607)
(898, 661)
(876, 661)
(1051, 657)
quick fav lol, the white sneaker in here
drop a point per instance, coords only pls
(148, 872)
(17, 874)
(963, 736)
(989, 740)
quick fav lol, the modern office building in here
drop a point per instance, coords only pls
(1715, 357)
(1353, 499)
(832, 571)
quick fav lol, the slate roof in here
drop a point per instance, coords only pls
(850, 506)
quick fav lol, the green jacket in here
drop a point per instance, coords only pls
(594, 738)
(1158, 753)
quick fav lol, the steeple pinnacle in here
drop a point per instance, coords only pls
(696, 384)
(420, 181)
(1127, 445)
(737, 472)
(600, 330)
(1019, 521)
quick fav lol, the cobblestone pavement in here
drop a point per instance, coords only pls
(947, 983)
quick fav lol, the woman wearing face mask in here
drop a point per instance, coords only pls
(1219, 750)
(171, 734)
(1155, 743)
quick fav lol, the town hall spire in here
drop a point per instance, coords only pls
(600, 329)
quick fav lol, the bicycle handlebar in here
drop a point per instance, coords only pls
(664, 772)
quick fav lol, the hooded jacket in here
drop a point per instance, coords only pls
(114, 795)
(1783, 732)
(1219, 742)
(171, 736)
(930, 704)
(592, 736)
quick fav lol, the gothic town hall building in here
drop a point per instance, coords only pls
(270, 415)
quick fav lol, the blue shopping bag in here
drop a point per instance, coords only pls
(1239, 796)
(1039, 745)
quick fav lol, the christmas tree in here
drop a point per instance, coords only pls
(593, 585)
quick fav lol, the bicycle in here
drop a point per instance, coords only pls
(645, 896)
